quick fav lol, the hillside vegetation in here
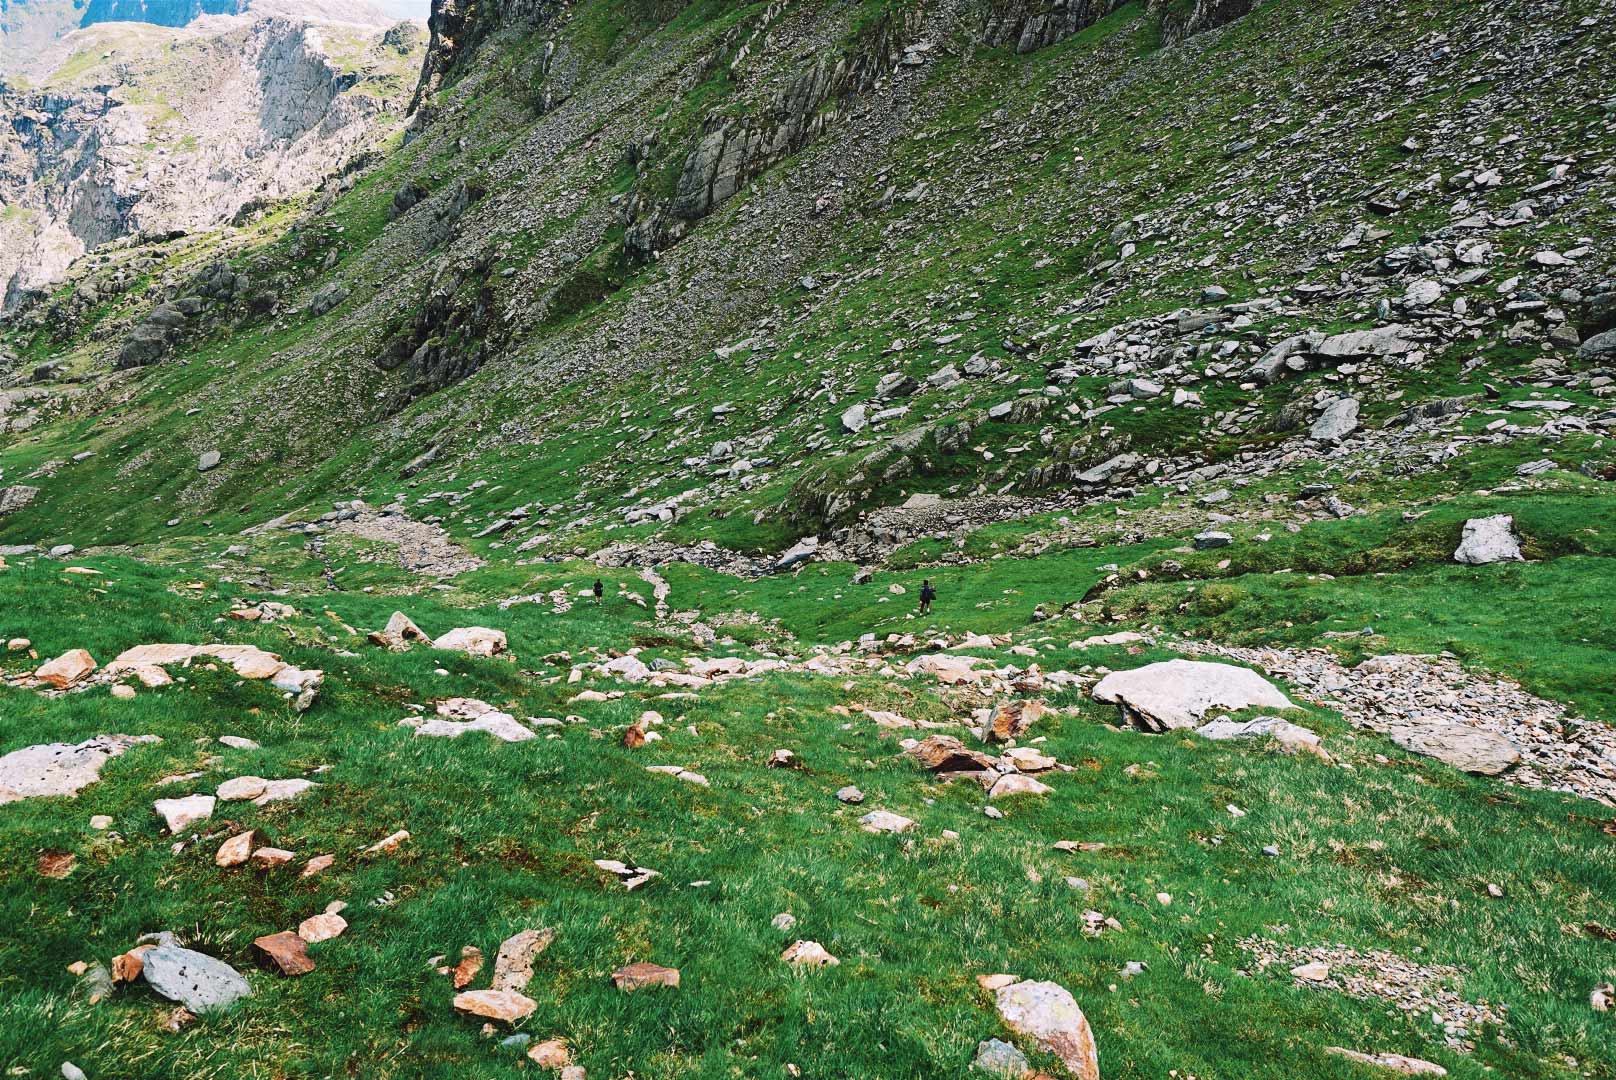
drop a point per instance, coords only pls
(1278, 338)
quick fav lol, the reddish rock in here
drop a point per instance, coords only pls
(266, 857)
(944, 753)
(316, 864)
(234, 851)
(550, 1054)
(505, 1005)
(471, 962)
(321, 927)
(643, 974)
(126, 967)
(71, 667)
(285, 952)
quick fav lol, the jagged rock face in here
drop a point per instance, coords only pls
(1034, 24)
(1181, 20)
(459, 26)
(182, 138)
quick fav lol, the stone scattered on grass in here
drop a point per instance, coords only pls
(503, 1005)
(285, 952)
(458, 716)
(632, 877)
(802, 954)
(61, 768)
(513, 964)
(1488, 540)
(466, 969)
(885, 821)
(1048, 1015)
(197, 981)
(388, 844)
(473, 641)
(69, 669)
(181, 814)
(1176, 694)
(234, 851)
(550, 1054)
(321, 927)
(998, 1058)
(643, 975)
(1408, 1066)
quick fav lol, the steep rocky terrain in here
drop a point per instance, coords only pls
(1238, 374)
(141, 131)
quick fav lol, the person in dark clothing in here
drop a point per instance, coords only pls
(927, 595)
(600, 590)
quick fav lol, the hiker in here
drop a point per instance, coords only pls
(600, 590)
(927, 595)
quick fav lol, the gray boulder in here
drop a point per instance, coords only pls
(16, 497)
(195, 980)
(1489, 540)
(1599, 347)
(800, 552)
(328, 298)
(208, 461)
(1178, 693)
(1393, 340)
(998, 1058)
(1468, 749)
(1340, 419)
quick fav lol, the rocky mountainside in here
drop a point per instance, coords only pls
(1088, 524)
(147, 132)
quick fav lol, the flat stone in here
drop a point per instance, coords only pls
(1467, 749)
(1289, 736)
(1047, 1014)
(181, 814)
(280, 790)
(321, 927)
(272, 856)
(884, 821)
(241, 787)
(1017, 784)
(1177, 693)
(198, 981)
(639, 976)
(284, 952)
(1397, 1063)
(998, 1058)
(61, 768)
(513, 965)
(504, 1005)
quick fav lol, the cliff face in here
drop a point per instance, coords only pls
(183, 136)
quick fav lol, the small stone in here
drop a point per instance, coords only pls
(808, 954)
(323, 927)
(884, 821)
(267, 857)
(126, 967)
(234, 851)
(1314, 972)
(998, 1058)
(550, 1054)
(285, 952)
(504, 1005)
(316, 864)
(784, 921)
(991, 983)
(388, 845)
(471, 962)
(639, 976)
(241, 787)
(513, 964)
(1395, 1062)
(850, 795)
(180, 814)
(100, 822)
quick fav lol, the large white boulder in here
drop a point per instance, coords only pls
(1178, 693)
(1046, 1013)
(1489, 540)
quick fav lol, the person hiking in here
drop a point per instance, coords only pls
(927, 595)
(599, 590)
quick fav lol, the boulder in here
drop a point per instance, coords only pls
(1178, 693)
(808, 954)
(1339, 419)
(1393, 340)
(195, 980)
(1488, 540)
(884, 821)
(1467, 749)
(473, 641)
(1599, 347)
(16, 497)
(1396, 1063)
(945, 753)
(998, 1058)
(66, 670)
(1047, 1014)
(208, 461)
(798, 553)
(60, 768)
